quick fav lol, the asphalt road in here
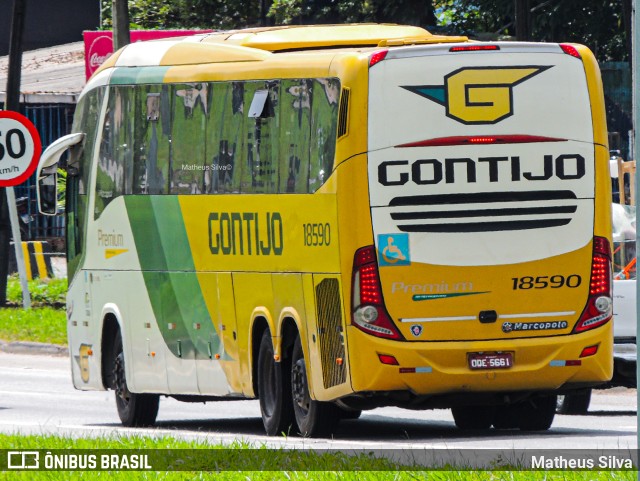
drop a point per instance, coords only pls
(36, 396)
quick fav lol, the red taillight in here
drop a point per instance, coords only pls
(377, 57)
(474, 48)
(570, 50)
(599, 276)
(598, 310)
(368, 311)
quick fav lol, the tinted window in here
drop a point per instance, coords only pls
(295, 135)
(324, 117)
(189, 121)
(78, 169)
(152, 140)
(224, 139)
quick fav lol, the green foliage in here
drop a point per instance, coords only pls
(601, 25)
(188, 14)
(44, 292)
(43, 324)
(598, 24)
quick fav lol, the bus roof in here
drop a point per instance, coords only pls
(257, 44)
(275, 39)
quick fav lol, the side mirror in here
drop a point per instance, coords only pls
(47, 173)
(48, 192)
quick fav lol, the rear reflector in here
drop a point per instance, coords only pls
(589, 351)
(389, 360)
(377, 57)
(481, 139)
(570, 50)
(571, 362)
(474, 48)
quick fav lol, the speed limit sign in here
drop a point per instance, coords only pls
(20, 148)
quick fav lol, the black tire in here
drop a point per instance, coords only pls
(313, 418)
(274, 387)
(349, 413)
(134, 410)
(506, 417)
(574, 403)
(537, 412)
(473, 417)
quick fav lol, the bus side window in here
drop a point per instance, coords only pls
(190, 112)
(78, 168)
(152, 140)
(224, 138)
(324, 119)
(295, 135)
(115, 149)
(261, 136)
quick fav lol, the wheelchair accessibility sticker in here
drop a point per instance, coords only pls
(393, 250)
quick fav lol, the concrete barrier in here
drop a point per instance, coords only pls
(37, 259)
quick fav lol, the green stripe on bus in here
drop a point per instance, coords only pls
(168, 270)
(137, 75)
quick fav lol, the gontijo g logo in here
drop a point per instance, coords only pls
(478, 95)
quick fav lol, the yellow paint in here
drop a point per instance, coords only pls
(218, 244)
(450, 373)
(27, 260)
(484, 95)
(39, 256)
(109, 253)
(83, 361)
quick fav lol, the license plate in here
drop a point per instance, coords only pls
(490, 360)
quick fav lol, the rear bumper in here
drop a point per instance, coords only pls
(442, 367)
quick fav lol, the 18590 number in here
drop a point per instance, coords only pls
(544, 282)
(317, 234)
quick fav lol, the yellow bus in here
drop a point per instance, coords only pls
(337, 218)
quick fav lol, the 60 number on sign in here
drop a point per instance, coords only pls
(20, 148)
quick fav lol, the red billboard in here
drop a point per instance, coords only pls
(98, 46)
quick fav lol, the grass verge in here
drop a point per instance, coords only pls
(42, 324)
(44, 292)
(334, 466)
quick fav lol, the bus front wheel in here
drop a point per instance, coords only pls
(314, 418)
(273, 389)
(134, 410)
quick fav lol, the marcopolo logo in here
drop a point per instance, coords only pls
(478, 95)
(533, 326)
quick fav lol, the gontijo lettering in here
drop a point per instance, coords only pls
(245, 233)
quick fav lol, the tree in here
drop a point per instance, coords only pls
(604, 26)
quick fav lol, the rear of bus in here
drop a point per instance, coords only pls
(489, 278)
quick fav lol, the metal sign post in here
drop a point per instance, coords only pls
(20, 149)
(17, 244)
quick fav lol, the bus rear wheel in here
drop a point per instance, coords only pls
(574, 403)
(537, 413)
(273, 390)
(473, 417)
(134, 410)
(314, 418)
